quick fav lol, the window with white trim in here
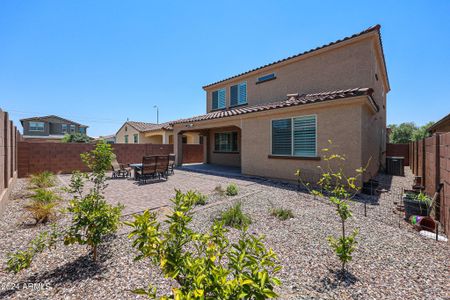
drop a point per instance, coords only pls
(219, 99)
(295, 136)
(126, 139)
(36, 126)
(72, 128)
(64, 128)
(136, 138)
(238, 94)
(226, 141)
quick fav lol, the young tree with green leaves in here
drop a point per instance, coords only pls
(336, 186)
(92, 217)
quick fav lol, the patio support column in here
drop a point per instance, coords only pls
(164, 138)
(179, 148)
(205, 148)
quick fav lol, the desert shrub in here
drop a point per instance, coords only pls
(235, 217)
(22, 259)
(282, 213)
(335, 185)
(42, 205)
(232, 189)
(42, 180)
(201, 199)
(219, 190)
(204, 265)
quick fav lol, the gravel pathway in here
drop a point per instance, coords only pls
(391, 262)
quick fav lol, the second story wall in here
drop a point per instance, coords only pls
(342, 66)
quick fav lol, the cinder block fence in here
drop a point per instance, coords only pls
(430, 160)
(9, 137)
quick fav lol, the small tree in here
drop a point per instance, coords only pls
(76, 138)
(204, 265)
(339, 189)
(92, 216)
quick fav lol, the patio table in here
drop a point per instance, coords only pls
(136, 167)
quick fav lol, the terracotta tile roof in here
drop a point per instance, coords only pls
(293, 100)
(370, 29)
(143, 127)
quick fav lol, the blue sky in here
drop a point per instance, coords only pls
(101, 62)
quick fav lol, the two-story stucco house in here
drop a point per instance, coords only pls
(274, 119)
(50, 128)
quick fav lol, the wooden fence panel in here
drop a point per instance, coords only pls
(192, 153)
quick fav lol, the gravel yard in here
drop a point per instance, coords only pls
(392, 260)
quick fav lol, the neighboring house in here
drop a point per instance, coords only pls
(109, 139)
(443, 125)
(133, 132)
(50, 128)
(275, 119)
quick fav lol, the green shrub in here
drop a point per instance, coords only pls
(234, 217)
(22, 259)
(282, 213)
(43, 180)
(204, 265)
(201, 199)
(92, 219)
(232, 189)
(42, 205)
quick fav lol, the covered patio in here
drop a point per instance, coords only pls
(221, 146)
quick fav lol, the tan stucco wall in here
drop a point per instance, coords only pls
(256, 142)
(341, 67)
(345, 122)
(144, 138)
(130, 131)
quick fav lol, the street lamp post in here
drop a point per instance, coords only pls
(157, 113)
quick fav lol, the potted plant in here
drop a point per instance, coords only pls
(417, 204)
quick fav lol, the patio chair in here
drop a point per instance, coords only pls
(162, 166)
(171, 164)
(148, 169)
(119, 170)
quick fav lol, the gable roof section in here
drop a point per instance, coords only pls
(45, 118)
(143, 127)
(439, 123)
(375, 28)
(293, 100)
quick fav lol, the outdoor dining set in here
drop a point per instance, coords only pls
(152, 167)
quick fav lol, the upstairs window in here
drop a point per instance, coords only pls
(72, 128)
(266, 78)
(64, 128)
(295, 136)
(126, 139)
(36, 126)
(136, 138)
(238, 94)
(226, 142)
(219, 99)
(82, 130)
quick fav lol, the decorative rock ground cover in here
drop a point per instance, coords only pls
(391, 262)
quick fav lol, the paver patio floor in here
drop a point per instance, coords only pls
(138, 197)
